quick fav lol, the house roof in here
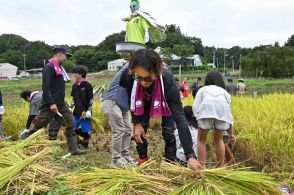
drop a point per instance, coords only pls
(7, 64)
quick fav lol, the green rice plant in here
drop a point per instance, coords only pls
(97, 125)
(14, 119)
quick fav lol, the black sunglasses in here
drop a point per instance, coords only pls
(145, 79)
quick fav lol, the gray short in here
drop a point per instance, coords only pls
(213, 124)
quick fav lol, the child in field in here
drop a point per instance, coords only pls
(35, 100)
(180, 155)
(212, 108)
(82, 93)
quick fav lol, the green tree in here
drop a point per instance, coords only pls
(183, 51)
(110, 42)
(14, 57)
(290, 41)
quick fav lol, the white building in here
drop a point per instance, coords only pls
(7, 70)
(175, 60)
(196, 60)
(114, 65)
(24, 74)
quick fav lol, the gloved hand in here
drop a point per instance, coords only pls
(25, 130)
(70, 109)
(88, 114)
(2, 110)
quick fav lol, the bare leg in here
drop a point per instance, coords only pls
(201, 146)
(219, 148)
(228, 154)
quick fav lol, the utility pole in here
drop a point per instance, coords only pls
(233, 64)
(224, 61)
(24, 62)
(214, 58)
(240, 66)
(216, 62)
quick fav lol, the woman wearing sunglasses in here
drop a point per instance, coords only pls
(153, 93)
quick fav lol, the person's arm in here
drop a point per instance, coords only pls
(174, 102)
(29, 121)
(126, 37)
(90, 96)
(72, 103)
(48, 76)
(146, 27)
(147, 36)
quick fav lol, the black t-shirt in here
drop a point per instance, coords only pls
(82, 95)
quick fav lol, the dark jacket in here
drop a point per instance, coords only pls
(174, 102)
(231, 88)
(53, 87)
(82, 96)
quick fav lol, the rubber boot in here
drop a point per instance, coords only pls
(25, 134)
(72, 143)
(86, 138)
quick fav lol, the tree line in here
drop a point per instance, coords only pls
(264, 60)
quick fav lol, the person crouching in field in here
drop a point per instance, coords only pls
(82, 93)
(180, 154)
(229, 137)
(35, 99)
(116, 107)
(212, 108)
(54, 78)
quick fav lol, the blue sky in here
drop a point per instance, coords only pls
(223, 23)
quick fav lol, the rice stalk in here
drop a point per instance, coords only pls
(9, 172)
(156, 177)
(117, 181)
(97, 125)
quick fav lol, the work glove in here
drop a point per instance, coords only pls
(2, 110)
(88, 114)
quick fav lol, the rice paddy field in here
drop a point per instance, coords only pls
(264, 151)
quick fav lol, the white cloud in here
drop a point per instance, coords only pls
(221, 23)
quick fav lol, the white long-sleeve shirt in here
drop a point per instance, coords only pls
(180, 150)
(213, 102)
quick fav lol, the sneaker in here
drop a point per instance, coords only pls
(23, 135)
(130, 160)
(121, 162)
(142, 160)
